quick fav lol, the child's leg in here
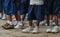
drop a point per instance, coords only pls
(36, 29)
(59, 18)
(30, 16)
(49, 27)
(18, 17)
(9, 24)
(29, 27)
(9, 10)
(3, 15)
(47, 19)
(18, 20)
(56, 20)
(20, 11)
(26, 5)
(56, 12)
(9, 19)
(56, 27)
(43, 22)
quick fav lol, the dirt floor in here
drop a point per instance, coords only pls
(19, 33)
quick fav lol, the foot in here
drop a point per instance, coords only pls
(19, 25)
(43, 22)
(4, 17)
(55, 29)
(36, 30)
(49, 29)
(27, 29)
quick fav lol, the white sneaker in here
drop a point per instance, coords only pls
(53, 23)
(55, 29)
(27, 29)
(14, 19)
(36, 30)
(18, 25)
(4, 17)
(0, 15)
(43, 22)
(49, 29)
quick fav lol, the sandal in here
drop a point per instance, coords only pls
(8, 26)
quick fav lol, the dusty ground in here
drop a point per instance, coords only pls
(18, 32)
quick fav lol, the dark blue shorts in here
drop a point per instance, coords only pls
(26, 5)
(20, 6)
(1, 5)
(9, 7)
(35, 12)
(49, 7)
(56, 7)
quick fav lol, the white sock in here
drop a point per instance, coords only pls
(3, 15)
(0, 14)
(10, 22)
(22, 21)
(50, 22)
(19, 23)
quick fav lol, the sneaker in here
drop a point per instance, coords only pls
(43, 22)
(4, 17)
(36, 30)
(27, 29)
(55, 29)
(19, 25)
(49, 29)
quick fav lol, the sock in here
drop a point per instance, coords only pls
(19, 23)
(50, 22)
(3, 15)
(22, 21)
(10, 22)
(0, 15)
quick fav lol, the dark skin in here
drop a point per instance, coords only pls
(9, 17)
(37, 23)
(48, 17)
(18, 17)
(56, 20)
